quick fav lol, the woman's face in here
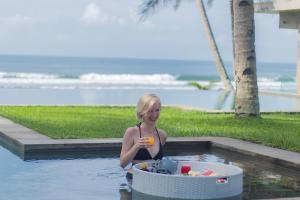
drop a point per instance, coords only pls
(153, 113)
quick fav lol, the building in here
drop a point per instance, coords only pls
(289, 18)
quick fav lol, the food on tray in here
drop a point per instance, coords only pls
(185, 169)
(144, 166)
(207, 173)
(194, 173)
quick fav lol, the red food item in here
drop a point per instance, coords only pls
(222, 180)
(207, 173)
(185, 169)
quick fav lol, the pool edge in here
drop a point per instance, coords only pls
(28, 144)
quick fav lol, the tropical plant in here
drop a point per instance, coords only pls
(199, 86)
(243, 32)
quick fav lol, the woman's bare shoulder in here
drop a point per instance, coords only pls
(163, 134)
(129, 136)
(131, 131)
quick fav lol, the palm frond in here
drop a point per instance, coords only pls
(209, 3)
(148, 7)
(177, 4)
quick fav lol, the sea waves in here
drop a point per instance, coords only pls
(127, 81)
(90, 81)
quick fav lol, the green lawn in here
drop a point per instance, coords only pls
(277, 130)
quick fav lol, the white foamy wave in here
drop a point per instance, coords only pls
(121, 81)
(267, 79)
(130, 79)
(5, 75)
(277, 79)
(276, 85)
(91, 80)
(262, 85)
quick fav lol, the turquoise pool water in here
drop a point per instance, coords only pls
(100, 178)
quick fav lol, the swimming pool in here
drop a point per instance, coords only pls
(100, 178)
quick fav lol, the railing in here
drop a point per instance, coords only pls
(264, 6)
(263, 1)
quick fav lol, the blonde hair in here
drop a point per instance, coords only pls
(144, 103)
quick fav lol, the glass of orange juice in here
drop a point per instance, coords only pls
(150, 140)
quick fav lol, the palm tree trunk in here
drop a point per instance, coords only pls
(213, 46)
(223, 96)
(298, 64)
(232, 26)
(247, 103)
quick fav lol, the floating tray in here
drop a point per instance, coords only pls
(227, 181)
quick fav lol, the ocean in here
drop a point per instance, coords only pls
(50, 80)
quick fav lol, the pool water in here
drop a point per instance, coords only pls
(100, 178)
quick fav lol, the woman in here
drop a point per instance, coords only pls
(137, 146)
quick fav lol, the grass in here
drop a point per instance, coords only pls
(281, 130)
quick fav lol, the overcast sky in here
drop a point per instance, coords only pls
(110, 28)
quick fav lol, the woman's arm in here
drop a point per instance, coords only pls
(129, 148)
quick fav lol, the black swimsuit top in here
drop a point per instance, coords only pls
(143, 154)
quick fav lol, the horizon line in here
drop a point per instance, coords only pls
(130, 58)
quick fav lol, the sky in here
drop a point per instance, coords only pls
(106, 28)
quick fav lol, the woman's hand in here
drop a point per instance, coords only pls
(142, 143)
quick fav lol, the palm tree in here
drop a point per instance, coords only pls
(246, 102)
(213, 46)
(150, 5)
(243, 32)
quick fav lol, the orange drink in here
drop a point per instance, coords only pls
(150, 140)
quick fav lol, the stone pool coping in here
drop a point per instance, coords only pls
(25, 142)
